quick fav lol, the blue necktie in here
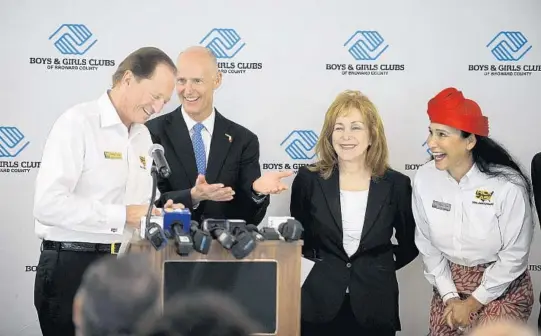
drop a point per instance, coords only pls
(199, 148)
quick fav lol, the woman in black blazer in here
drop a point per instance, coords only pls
(349, 202)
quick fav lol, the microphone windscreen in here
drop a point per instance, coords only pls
(154, 148)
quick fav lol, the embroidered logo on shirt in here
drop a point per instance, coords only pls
(441, 205)
(143, 161)
(484, 197)
(113, 155)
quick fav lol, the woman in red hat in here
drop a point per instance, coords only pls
(473, 210)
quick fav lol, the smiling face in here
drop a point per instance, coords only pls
(451, 151)
(350, 137)
(197, 78)
(145, 97)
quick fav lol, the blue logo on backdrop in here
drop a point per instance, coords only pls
(425, 146)
(366, 45)
(509, 46)
(366, 48)
(415, 166)
(73, 39)
(223, 42)
(12, 142)
(299, 144)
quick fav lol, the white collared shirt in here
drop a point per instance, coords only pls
(206, 132)
(480, 220)
(91, 168)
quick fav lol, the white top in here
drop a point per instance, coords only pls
(476, 221)
(353, 207)
(206, 132)
(91, 168)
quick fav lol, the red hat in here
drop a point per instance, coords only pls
(449, 107)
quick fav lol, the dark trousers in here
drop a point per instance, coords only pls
(344, 324)
(58, 277)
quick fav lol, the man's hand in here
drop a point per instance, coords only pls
(202, 191)
(134, 213)
(270, 183)
(170, 206)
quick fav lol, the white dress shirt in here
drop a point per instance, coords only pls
(92, 167)
(206, 132)
(480, 220)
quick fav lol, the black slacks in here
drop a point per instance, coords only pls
(344, 324)
(58, 277)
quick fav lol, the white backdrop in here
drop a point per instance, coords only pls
(401, 54)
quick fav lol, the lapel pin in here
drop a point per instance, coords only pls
(229, 137)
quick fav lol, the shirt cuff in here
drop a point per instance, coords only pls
(258, 198)
(449, 296)
(445, 286)
(482, 295)
(116, 218)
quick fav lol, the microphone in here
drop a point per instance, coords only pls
(183, 240)
(244, 242)
(255, 232)
(201, 239)
(219, 230)
(270, 233)
(156, 151)
(156, 236)
(291, 230)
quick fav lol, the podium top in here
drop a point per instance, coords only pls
(266, 243)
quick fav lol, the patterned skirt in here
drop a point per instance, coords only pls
(515, 303)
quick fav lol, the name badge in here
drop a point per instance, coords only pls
(441, 206)
(113, 155)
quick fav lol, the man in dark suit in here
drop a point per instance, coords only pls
(214, 161)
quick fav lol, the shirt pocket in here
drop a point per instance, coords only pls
(139, 184)
(482, 223)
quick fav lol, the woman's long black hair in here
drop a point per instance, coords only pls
(488, 154)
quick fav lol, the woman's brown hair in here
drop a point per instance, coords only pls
(377, 154)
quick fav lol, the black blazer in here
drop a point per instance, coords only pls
(536, 182)
(233, 160)
(370, 272)
(536, 186)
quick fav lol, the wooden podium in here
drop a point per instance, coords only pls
(270, 259)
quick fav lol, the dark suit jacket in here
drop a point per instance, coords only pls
(536, 182)
(536, 186)
(233, 160)
(370, 272)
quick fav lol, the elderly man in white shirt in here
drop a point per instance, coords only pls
(472, 205)
(94, 181)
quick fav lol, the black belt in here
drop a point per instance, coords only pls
(81, 247)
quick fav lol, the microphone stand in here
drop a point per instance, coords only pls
(154, 174)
